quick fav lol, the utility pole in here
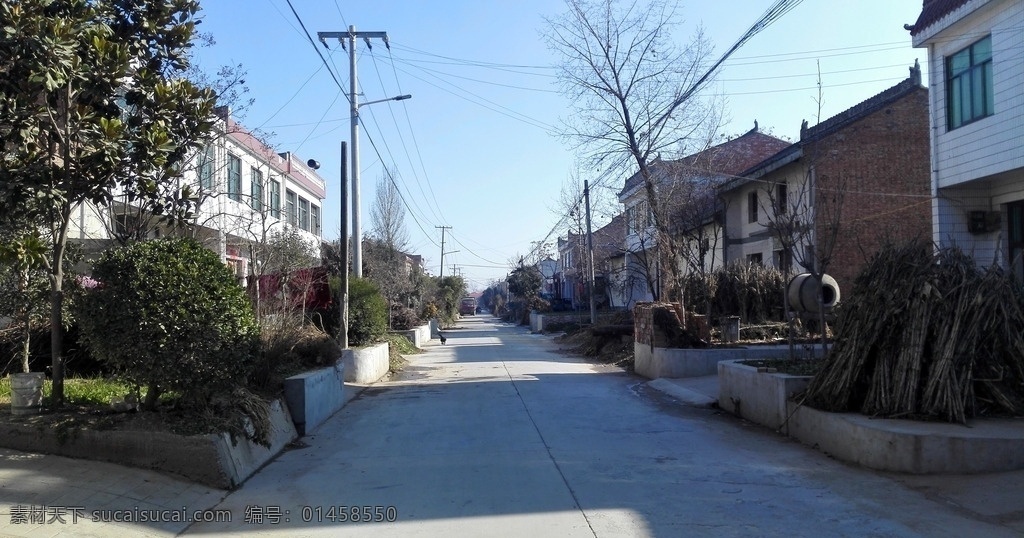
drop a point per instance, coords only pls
(590, 255)
(343, 243)
(352, 35)
(443, 228)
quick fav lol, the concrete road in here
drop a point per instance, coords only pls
(496, 434)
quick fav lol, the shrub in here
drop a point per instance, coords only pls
(169, 316)
(404, 318)
(751, 291)
(288, 345)
(367, 312)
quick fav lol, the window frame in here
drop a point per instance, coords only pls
(234, 177)
(291, 207)
(275, 198)
(207, 167)
(256, 189)
(961, 84)
(781, 198)
(303, 214)
(314, 219)
(752, 202)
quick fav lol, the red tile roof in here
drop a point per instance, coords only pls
(726, 159)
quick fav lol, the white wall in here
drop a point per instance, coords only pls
(991, 145)
(745, 237)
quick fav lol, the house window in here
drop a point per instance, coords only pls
(304, 214)
(780, 199)
(275, 199)
(314, 218)
(291, 213)
(234, 178)
(256, 180)
(752, 206)
(206, 167)
(969, 84)
(754, 259)
(1015, 235)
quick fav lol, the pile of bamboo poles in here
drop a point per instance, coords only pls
(926, 335)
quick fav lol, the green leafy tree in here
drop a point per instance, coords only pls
(93, 104)
(168, 315)
(449, 290)
(525, 281)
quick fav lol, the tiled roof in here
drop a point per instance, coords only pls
(831, 125)
(931, 12)
(864, 108)
(728, 158)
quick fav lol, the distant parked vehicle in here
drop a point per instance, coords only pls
(467, 307)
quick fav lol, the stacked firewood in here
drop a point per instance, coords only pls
(926, 335)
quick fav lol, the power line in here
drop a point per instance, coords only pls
(316, 48)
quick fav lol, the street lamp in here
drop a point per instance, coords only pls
(357, 240)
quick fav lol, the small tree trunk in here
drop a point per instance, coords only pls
(27, 322)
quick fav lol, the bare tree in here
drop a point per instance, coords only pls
(385, 260)
(805, 220)
(633, 90)
(387, 215)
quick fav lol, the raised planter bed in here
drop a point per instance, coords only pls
(419, 336)
(757, 394)
(678, 362)
(906, 446)
(213, 459)
(366, 364)
(314, 396)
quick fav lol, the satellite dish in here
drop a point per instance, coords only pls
(313, 164)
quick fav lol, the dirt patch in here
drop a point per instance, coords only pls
(602, 348)
(789, 366)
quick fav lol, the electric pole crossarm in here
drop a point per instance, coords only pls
(340, 35)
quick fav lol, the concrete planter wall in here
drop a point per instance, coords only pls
(675, 362)
(366, 364)
(419, 336)
(757, 396)
(314, 396)
(215, 459)
(905, 446)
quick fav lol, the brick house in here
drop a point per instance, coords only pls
(682, 186)
(864, 170)
(976, 76)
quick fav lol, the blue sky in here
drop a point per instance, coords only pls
(474, 148)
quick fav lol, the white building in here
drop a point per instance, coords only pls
(246, 193)
(976, 78)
